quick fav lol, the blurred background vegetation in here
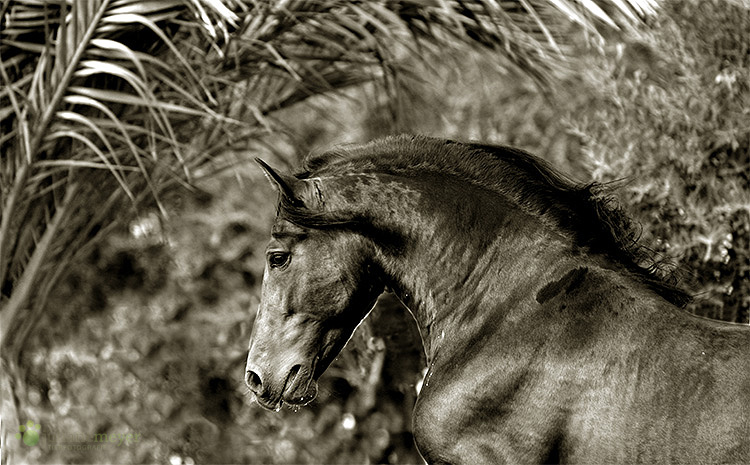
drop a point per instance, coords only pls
(133, 224)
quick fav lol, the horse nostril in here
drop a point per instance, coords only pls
(293, 372)
(253, 381)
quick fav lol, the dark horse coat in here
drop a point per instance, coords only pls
(546, 341)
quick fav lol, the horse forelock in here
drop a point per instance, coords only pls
(585, 212)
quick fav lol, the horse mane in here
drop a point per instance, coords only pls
(584, 211)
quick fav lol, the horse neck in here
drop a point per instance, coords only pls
(459, 251)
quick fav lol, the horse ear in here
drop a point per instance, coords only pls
(287, 185)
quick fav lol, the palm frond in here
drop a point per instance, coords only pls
(82, 91)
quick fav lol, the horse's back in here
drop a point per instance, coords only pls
(680, 393)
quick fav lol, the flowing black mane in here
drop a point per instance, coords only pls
(580, 210)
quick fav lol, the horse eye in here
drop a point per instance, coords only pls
(278, 259)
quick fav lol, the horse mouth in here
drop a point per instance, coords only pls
(274, 406)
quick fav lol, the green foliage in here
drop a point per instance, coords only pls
(147, 333)
(667, 114)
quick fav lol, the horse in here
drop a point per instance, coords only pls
(548, 336)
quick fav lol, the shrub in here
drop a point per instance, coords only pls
(667, 115)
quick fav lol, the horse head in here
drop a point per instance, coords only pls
(318, 284)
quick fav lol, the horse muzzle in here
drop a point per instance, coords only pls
(297, 388)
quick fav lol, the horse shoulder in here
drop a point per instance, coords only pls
(601, 354)
(663, 385)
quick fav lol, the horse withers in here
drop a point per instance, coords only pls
(547, 337)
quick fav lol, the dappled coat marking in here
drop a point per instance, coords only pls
(548, 335)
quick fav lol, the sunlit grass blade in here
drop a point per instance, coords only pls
(93, 103)
(135, 100)
(91, 67)
(144, 8)
(67, 164)
(151, 25)
(93, 147)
